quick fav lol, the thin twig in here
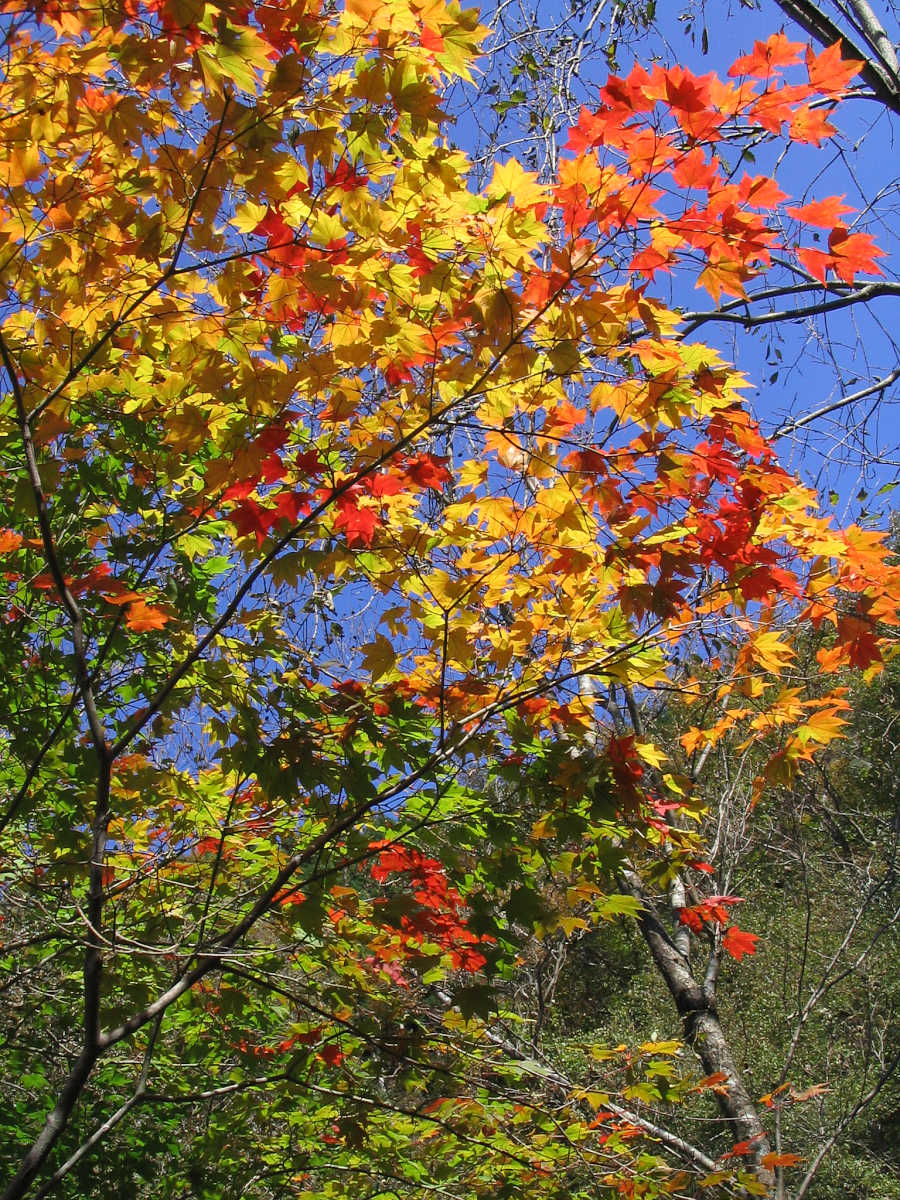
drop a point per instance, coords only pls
(873, 388)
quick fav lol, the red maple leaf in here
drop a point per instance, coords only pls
(810, 124)
(591, 461)
(702, 866)
(626, 769)
(816, 262)
(309, 462)
(761, 191)
(738, 943)
(428, 470)
(686, 92)
(250, 517)
(346, 177)
(384, 485)
(857, 634)
(331, 1054)
(358, 523)
(629, 93)
(741, 1149)
(768, 581)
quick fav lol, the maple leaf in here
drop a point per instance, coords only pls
(829, 72)
(852, 253)
(309, 463)
(563, 418)
(776, 51)
(691, 918)
(384, 484)
(713, 1082)
(737, 942)
(771, 651)
(591, 461)
(142, 617)
(769, 1099)
(742, 1149)
(816, 262)
(521, 187)
(723, 278)
(346, 177)
(695, 170)
(428, 470)
(810, 1093)
(379, 657)
(857, 636)
(810, 124)
(250, 517)
(686, 92)
(765, 581)
(769, 1161)
(331, 1054)
(825, 213)
(359, 523)
(825, 725)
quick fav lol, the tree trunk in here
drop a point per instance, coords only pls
(703, 1032)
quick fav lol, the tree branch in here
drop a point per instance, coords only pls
(747, 320)
(878, 386)
(110, 1123)
(879, 68)
(863, 1102)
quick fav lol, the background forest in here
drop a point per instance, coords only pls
(449, 702)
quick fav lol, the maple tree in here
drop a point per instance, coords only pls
(272, 364)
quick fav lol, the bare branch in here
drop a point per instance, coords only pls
(876, 388)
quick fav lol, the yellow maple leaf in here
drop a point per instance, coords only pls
(379, 657)
(510, 180)
(768, 651)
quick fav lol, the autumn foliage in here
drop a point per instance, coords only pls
(339, 495)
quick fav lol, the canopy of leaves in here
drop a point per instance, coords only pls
(272, 368)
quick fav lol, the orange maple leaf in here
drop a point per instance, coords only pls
(824, 213)
(810, 1093)
(563, 418)
(781, 1160)
(141, 616)
(808, 124)
(829, 72)
(723, 278)
(852, 253)
(816, 262)
(776, 51)
(693, 170)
